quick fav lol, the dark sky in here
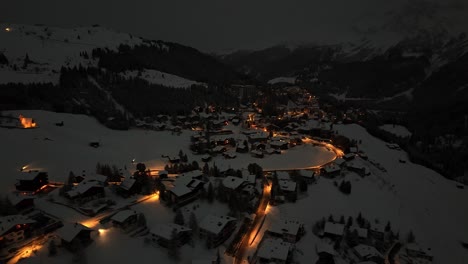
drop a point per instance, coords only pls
(221, 25)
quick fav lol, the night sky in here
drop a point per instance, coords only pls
(220, 25)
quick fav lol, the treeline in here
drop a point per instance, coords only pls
(167, 57)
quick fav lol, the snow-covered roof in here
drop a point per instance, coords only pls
(274, 249)
(26, 175)
(165, 230)
(83, 187)
(232, 182)
(259, 135)
(323, 247)
(339, 161)
(307, 173)
(283, 175)
(332, 168)
(289, 186)
(366, 252)
(7, 222)
(334, 228)
(17, 198)
(180, 190)
(193, 174)
(127, 184)
(277, 143)
(349, 156)
(214, 224)
(290, 227)
(69, 231)
(123, 215)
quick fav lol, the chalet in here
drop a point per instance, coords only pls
(362, 232)
(258, 137)
(308, 176)
(288, 230)
(333, 230)
(325, 251)
(232, 183)
(31, 181)
(289, 189)
(349, 156)
(219, 149)
(86, 191)
(124, 219)
(186, 188)
(257, 153)
(74, 236)
(129, 187)
(229, 155)
(22, 203)
(377, 231)
(258, 146)
(283, 176)
(15, 229)
(241, 148)
(278, 144)
(340, 162)
(358, 167)
(331, 171)
(367, 253)
(217, 229)
(164, 234)
(415, 251)
(274, 250)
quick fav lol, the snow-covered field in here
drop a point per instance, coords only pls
(50, 48)
(162, 78)
(397, 130)
(290, 80)
(410, 196)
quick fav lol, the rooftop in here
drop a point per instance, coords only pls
(123, 215)
(7, 222)
(290, 227)
(334, 228)
(214, 224)
(165, 230)
(274, 248)
(69, 231)
(232, 182)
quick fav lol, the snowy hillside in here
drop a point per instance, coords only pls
(50, 48)
(162, 78)
(290, 80)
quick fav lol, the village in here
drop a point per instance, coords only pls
(237, 167)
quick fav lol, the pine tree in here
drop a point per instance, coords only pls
(179, 218)
(52, 248)
(210, 193)
(410, 238)
(388, 227)
(342, 220)
(193, 224)
(350, 222)
(141, 219)
(330, 218)
(173, 248)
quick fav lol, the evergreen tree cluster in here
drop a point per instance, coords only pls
(112, 172)
(345, 187)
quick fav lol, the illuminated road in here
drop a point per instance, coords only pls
(251, 235)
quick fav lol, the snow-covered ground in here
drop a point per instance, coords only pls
(162, 78)
(291, 80)
(50, 48)
(397, 130)
(410, 196)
